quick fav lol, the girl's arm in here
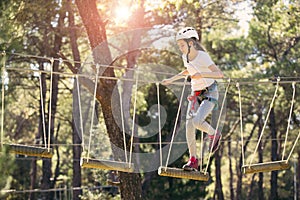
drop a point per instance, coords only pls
(175, 78)
(215, 73)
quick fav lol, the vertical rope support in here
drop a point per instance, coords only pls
(50, 103)
(265, 124)
(176, 121)
(241, 123)
(122, 121)
(201, 150)
(2, 99)
(159, 125)
(133, 118)
(43, 109)
(293, 147)
(218, 123)
(93, 112)
(80, 114)
(289, 120)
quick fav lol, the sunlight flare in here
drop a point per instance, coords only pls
(122, 14)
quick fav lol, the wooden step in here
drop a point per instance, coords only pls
(106, 164)
(30, 150)
(265, 167)
(180, 173)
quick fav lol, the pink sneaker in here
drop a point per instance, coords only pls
(214, 142)
(192, 165)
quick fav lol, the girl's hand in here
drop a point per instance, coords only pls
(196, 76)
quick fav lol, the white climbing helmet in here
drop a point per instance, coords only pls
(187, 33)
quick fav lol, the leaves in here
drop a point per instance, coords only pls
(269, 49)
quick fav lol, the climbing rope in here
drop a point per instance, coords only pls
(159, 123)
(241, 123)
(289, 120)
(265, 124)
(79, 108)
(50, 103)
(43, 111)
(176, 121)
(123, 123)
(93, 111)
(217, 127)
(2, 98)
(133, 118)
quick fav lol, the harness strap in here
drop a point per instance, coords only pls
(213, 100)
(199, 96)
(194, 98)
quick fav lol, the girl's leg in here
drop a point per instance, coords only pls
(191, 134)
(203, 111)
(205, 108)
(192, 164)
(191, 137)
(199, 122)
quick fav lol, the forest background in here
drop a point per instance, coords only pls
(253, 43)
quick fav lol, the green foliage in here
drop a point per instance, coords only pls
(274, 34)
(7, 167)
(172, 188)
(269, 50)
(98, 194)
(11, 35)
(97, 187)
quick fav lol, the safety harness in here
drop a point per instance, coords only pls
(199, 96)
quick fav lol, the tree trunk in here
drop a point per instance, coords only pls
(40, 134)
(260, 160)
(252, 185)
(218, 187)
(230, 170)
(77, 149)
(298, 176)
(32, 178)
(47, 163)
(76, 163)
(130, 186)
(239, 177)
(260, 194)
(274, 156)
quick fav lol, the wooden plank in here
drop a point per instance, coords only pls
(106, 164)
(180, 173)
(30, 150)
(265, 167)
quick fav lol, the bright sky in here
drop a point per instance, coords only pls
(244, 14)
(122, 12)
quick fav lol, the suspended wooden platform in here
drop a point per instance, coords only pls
(180, 173)
(106, 164)
(30, 150)
(265, 167)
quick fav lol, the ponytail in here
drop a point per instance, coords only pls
(196, 44)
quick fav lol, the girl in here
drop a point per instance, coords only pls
(203, 72)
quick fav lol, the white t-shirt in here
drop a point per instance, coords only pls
(199, 64)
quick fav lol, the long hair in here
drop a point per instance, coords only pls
(196, 44)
